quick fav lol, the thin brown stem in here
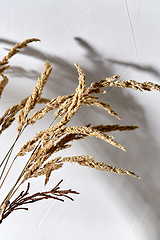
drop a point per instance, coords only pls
(55, 193)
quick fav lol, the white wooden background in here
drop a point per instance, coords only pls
(105, 38)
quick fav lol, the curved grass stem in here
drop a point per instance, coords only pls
(6, 158)
(12, 191)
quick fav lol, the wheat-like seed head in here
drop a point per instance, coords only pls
(87, 160)
(16, 49)
(3, 83)
(37, 91)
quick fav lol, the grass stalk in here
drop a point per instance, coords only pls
(10, 193)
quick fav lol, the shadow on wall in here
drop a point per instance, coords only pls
(144, 68)
(146, 158)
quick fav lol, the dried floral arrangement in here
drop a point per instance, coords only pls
(59, 136)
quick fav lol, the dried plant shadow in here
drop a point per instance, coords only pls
(144, 68)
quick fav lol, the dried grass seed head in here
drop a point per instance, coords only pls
(17, 47)
(3, 83)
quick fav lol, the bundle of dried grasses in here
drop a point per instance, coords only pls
(59, 136)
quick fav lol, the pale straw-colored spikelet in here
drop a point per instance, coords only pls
(31, 101)
(69, 138)
(43, 100)
(43, 153)
(7, 124)
(50, 105)
(153, 86)
(87, 160)
(28, 147)
(32, 168)
(37, 91)
(125, 84)
(2, 66)
(148, 86)
(57, 131)
(96, 87)
(35, 156)
(77, 99)
(44, 77)
(35, 165)
(88, 99)
(40, 101)
(39, 162)
(9, 116)
(17, 47)
(5, 115)
(48, 168)
(3, 83)
(4, 61)
(102, 105)
(63, 108)
(110, 82)
(53, 147)
(26, 176)
(36, 95)
(93, 133)
(38, 135)
(40, 155)
(3, 69)
(21, 120)
(60, 148)
(81, 86)
(77, 158)
(109, 168)
(5, 79)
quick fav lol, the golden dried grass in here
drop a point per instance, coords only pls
(60, 136)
